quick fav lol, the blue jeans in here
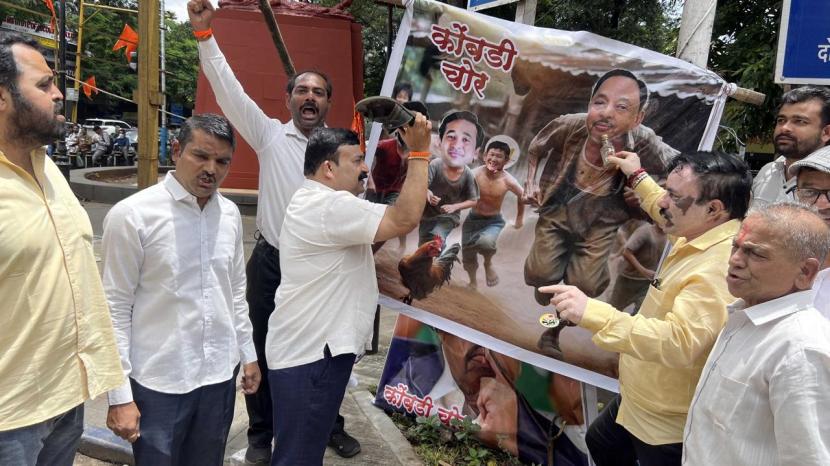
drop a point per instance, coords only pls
(306, 400)
(435, 226)
(479, 235)
(49, 443)
(184, 429)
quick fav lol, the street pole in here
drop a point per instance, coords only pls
(163, 80)
(79, 50)
(526, 12)
(148, 96)
(62, 52)
(695, 34)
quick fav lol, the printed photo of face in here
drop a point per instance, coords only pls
(458, 146)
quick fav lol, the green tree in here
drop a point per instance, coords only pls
(112, 73)
(373, 18)
(182, 63)
(744, 42)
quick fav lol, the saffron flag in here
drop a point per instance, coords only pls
(51, 7)
(89, 87)
(128, 40)
(359, 127)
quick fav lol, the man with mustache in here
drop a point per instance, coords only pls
(664, 346)
(801, 127)
(280, 149)
(452, 186)
(175, 281)
(762, 399)
(480, 383)
(812, 175)
(57, 347)
(325, 306)
(580, 199)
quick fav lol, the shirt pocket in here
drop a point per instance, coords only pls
(728, 410)
(653, 304)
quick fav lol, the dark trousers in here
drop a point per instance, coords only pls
(611, 444)
(263, 272)
(52, 442)
(307, 399)
(184, 429)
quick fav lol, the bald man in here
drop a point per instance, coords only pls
(763, 389)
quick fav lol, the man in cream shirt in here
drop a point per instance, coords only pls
(763, 395)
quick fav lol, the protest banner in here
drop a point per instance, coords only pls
(531, 90)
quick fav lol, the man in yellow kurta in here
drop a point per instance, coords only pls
(57, 347)
(664, 346)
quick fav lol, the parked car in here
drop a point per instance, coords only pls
(110, 126)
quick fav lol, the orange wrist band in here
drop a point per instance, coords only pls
(203, 34)
(419, 155)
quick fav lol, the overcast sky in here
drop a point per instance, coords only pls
(179, 7)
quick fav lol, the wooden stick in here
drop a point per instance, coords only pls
(271, 21)
(749, 96)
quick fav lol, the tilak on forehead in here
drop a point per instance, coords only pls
(745, 230)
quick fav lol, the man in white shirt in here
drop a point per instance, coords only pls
(102, 145)
(280, 149)
(762, 398)
(175, 281)
(325, 305)
(801, 127)
(812, 188)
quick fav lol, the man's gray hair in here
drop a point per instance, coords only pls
(212, 124)
(799, 229)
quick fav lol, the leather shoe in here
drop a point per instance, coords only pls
(344, 444)
(258, 455)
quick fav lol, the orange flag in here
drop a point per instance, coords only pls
(90, 87)
(358, 126)
(128, 40)
(51, 7)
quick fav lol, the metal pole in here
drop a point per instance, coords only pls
(62, 52)
(79, 50)
(163, 89)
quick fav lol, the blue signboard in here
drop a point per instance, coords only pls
(804, 43)
(475, 5)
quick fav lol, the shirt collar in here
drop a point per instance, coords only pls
(315, 185)
(291, 129)
(766, 312)
(716, 235)
(178, 192)
(38, 160)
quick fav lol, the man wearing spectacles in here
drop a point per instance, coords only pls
(813, 188)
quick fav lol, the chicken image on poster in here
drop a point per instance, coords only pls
(556, 213)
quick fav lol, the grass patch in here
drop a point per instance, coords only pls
(441, 445)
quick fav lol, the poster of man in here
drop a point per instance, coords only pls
(567, 100)
(560, 95)
(531, 413)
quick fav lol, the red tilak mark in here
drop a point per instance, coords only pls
(742, 234)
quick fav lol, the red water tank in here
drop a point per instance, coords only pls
(329, 43)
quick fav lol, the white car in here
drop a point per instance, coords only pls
(110, 126)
